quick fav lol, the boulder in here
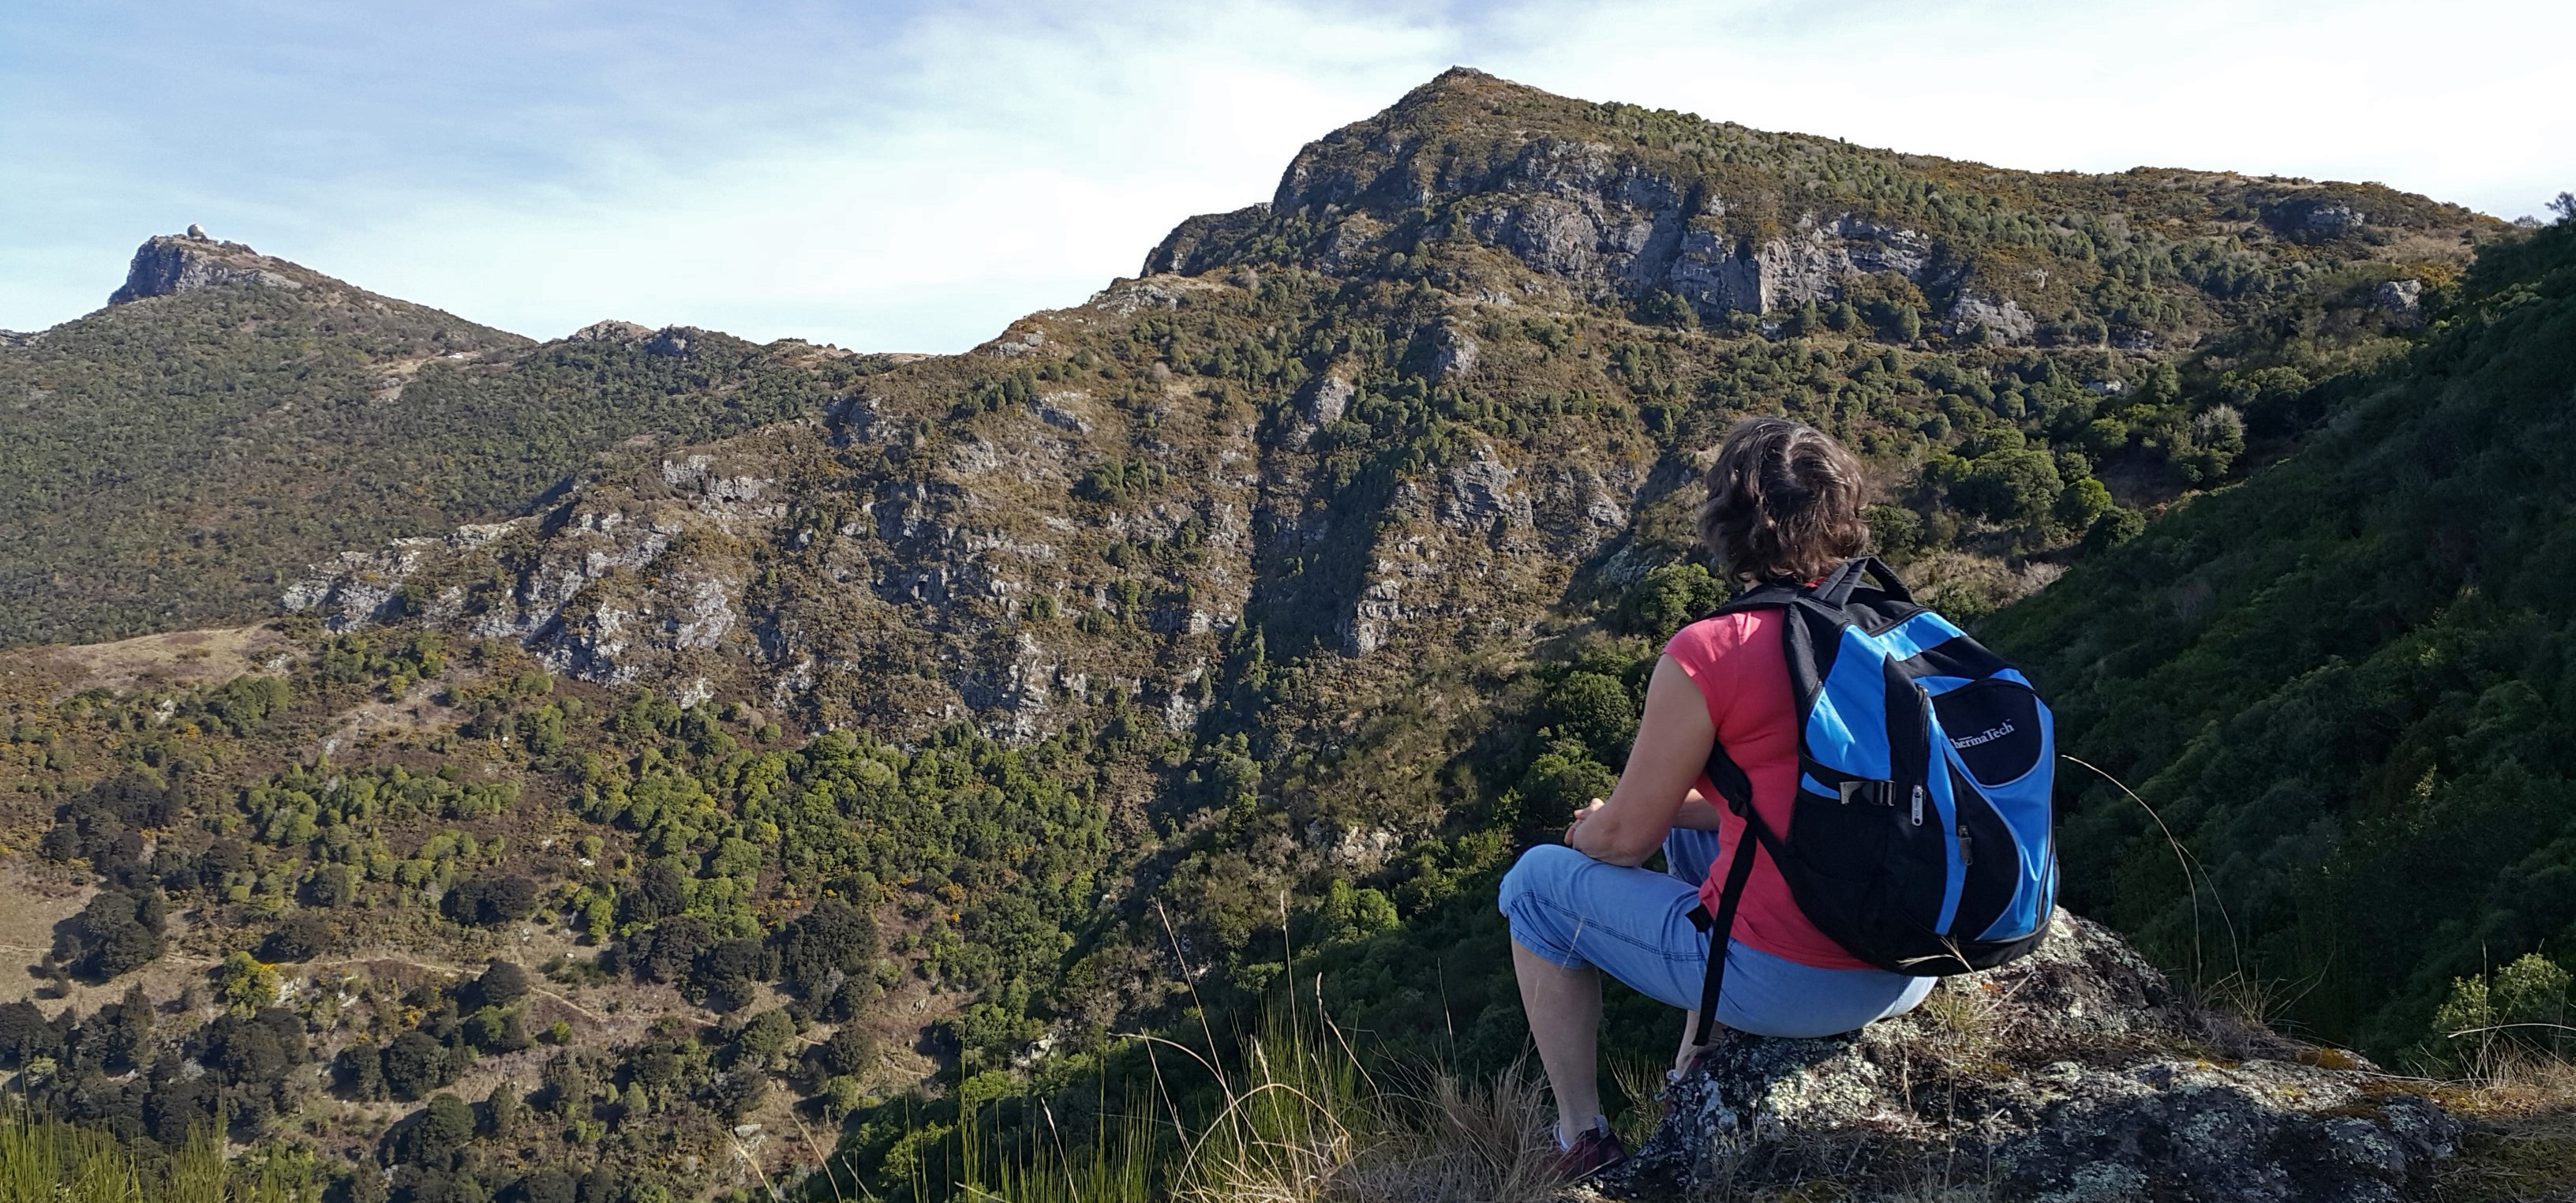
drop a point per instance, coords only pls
(2076, 1074)
(2403, 300)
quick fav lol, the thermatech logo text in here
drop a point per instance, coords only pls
(1987, 736)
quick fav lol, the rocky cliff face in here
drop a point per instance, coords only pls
(1449, 378)
(176, 263)
(2073, 1076)
(1617, 203)
(900, 560)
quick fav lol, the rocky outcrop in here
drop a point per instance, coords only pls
(611, 331)
(1576, 213)
(2001, 318)
(2313, 219)
(1601, 220)
(1327, 398)
(175, 263)
(1181, 246)
(1579, 211)
(2075, 1075)
(2402, 300)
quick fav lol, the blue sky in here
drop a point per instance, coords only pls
(912, 176)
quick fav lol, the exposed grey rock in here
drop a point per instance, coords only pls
(1327, 398)
(1016, 343)
(611, 331)
(1053, 409)
(2403, 299)
(1715, 274)
(170, 264)
(1358, 850)
(1179, 247)
(1642, 239)
(1457, 356)
(673, 341)
(2003, 319)
(1578, 211)
(1481, 490)
(357, 588)
(2075, 1074)
(2312, 219)
(854, 420)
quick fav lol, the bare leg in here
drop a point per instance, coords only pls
(1689, 1054)
(1564, 1009)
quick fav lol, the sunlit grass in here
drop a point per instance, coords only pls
(46, 1160)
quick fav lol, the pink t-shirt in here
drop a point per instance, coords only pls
(1736, 661)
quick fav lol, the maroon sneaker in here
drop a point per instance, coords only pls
(1596, 1151)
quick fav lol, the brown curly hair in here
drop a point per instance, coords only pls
(1784, 502)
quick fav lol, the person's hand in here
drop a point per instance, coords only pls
(1684, 1060)
(1580, 816)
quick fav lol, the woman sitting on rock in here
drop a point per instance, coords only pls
(1784, 504)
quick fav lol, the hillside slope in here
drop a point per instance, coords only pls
(231, 418)
(2344, 683)
(1457, 368)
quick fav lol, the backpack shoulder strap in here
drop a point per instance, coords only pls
(1775, 593)
(1837, 587)
(1834, 589)
(1737, 788)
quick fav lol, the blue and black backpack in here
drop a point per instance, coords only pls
(1921, 838)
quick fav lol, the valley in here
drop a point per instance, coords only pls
(693, 759)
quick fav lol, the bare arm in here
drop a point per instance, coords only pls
(1697, 813)
(1671, 750)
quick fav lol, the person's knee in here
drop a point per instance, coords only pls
(1534, 872)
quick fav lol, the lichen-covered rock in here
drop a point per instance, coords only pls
(2074, 1075)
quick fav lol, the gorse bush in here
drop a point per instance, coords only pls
(2522, 1008)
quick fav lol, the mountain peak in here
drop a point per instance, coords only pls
(1499, 189)
(175, 263)
(1463, 81)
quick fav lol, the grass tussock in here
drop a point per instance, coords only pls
(46, 1160)
(2522, 1141)
(1299, 1117)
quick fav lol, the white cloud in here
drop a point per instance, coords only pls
(913, 178)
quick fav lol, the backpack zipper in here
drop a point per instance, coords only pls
(1964, 857)
(1918, 806)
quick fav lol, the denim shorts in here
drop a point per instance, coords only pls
(1634, 924)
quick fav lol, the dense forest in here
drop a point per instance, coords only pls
(867, 776)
